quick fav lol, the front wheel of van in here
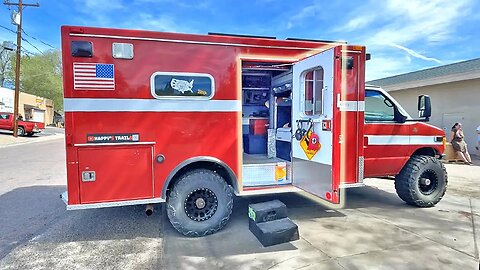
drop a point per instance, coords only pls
(422, 182)
(200, 203)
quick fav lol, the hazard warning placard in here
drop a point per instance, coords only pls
(310, 144)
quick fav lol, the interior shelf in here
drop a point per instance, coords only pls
(256, 88)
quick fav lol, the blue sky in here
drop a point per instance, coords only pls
(401, 35)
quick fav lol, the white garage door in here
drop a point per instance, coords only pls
(38, 116)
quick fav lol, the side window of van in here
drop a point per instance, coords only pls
(378, 107)
(177, 85)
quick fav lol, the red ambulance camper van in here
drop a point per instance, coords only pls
(192, 120)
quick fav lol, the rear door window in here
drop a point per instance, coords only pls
(313, 92)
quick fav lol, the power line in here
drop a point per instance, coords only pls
(27, 52)
(6, 28)
(24, 39)
(39, 40)
(23, 49)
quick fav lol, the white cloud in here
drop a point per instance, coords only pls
(303, 14)
(415, 20)
(97, 13)
(356, 23)
(410, 26)
(381, 66)
(96, 5)
(157, 23)
(199, 4)
(414, 53)
(107, 13)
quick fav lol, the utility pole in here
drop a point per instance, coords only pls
(17, 65)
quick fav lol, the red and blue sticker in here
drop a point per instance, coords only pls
(113, 138)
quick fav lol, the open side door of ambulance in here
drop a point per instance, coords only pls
(327, 121)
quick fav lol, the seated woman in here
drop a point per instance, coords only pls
(458, 143)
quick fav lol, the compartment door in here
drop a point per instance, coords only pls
(312, 112)
(115, 173)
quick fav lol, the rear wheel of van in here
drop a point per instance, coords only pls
(422, 182)
(200, 203)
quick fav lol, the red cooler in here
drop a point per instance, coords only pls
(258, 126)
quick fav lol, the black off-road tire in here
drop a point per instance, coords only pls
(411, 186)
(219, 200)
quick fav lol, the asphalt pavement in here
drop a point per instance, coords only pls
(375, 230)
(49, 133)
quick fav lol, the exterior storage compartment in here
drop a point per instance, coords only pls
(115, 173)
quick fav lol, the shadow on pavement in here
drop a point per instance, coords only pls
(27, 212)
(367, 196)
(38, 210)
(236, 238)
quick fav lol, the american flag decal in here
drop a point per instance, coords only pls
(93, 76)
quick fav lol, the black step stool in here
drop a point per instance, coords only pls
(268, 221)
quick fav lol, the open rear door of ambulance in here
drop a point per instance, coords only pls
(327, 121)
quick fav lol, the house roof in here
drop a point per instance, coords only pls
(451, 72)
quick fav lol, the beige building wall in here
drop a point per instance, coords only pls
(451, 102)
(28, 101)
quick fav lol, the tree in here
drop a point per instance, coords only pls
(41, 75)
(6, 59)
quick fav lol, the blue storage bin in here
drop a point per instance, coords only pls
(255, 144)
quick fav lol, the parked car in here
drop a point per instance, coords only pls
(25, 128)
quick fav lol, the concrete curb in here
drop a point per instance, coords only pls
(34, 140)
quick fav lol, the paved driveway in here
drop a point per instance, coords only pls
(49, 133)
(376, 230)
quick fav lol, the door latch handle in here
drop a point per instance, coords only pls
(88, 176)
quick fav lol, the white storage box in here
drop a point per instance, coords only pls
(284, 134)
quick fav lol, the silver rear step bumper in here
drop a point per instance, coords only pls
(64, 197)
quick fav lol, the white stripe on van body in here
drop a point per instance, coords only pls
(149, 105)
(403, 140)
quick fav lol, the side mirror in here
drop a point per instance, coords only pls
(424, 106)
